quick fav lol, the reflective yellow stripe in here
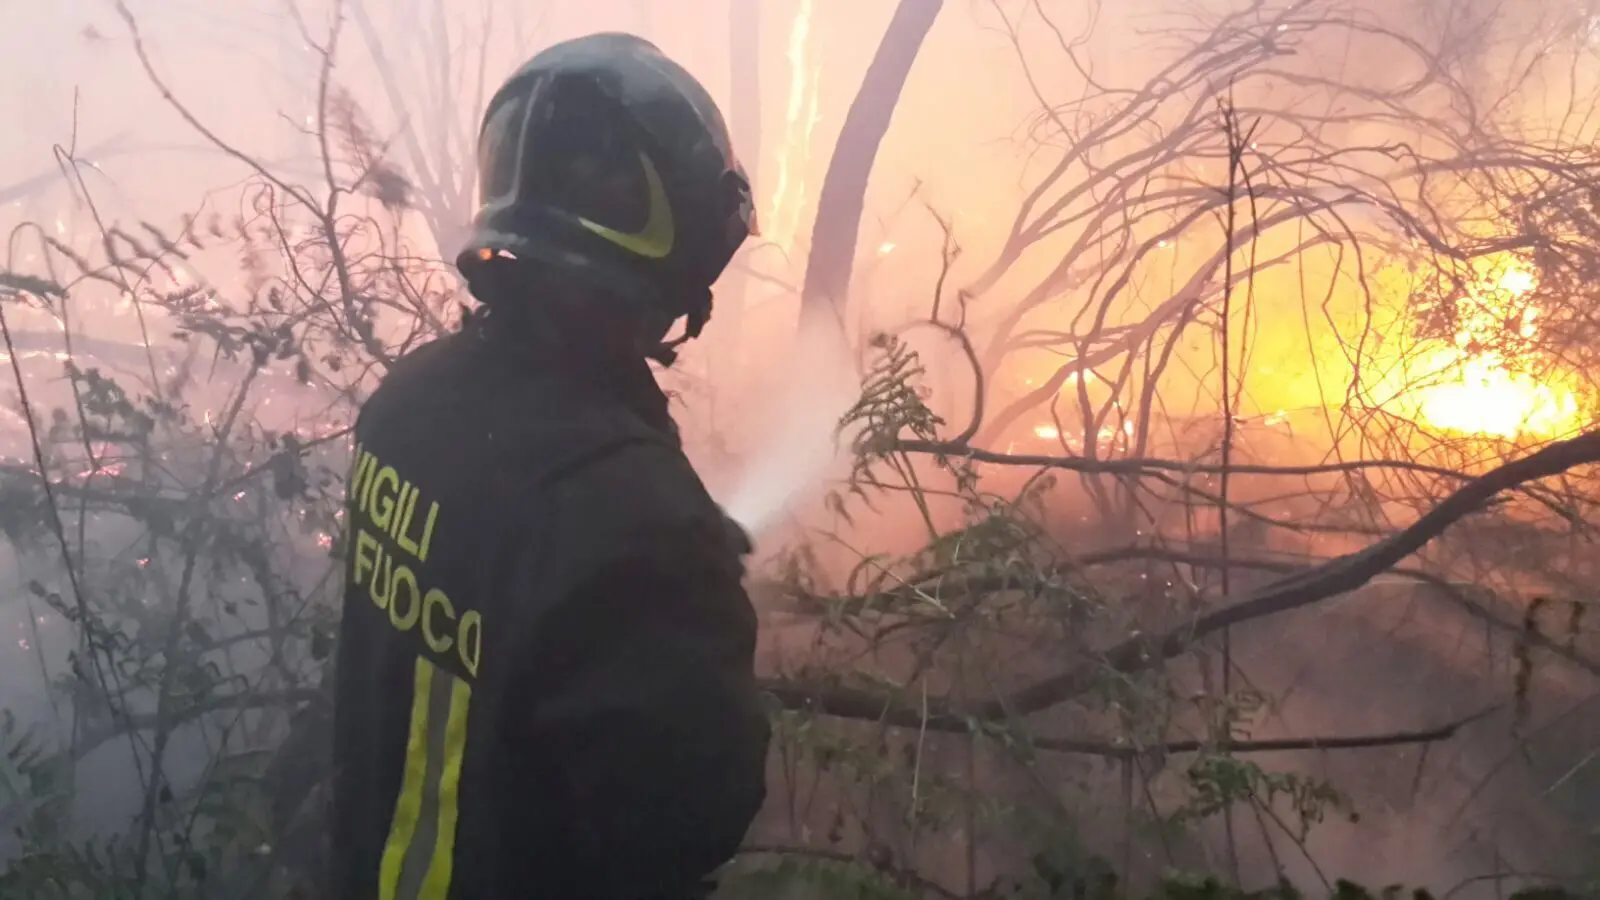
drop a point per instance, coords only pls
(409, 804)
(436, 884)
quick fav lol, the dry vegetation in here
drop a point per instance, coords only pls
(1278, 388)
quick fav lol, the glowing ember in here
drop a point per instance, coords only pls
(1486, 395)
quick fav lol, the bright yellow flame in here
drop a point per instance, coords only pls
(800, 120)
(1517, 282)
(1046, 432)
(1486, 396)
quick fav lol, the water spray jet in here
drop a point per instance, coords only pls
(802, 442)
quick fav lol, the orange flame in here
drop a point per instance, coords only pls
(1485, 393)
(800, 120)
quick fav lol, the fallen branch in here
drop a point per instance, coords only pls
(1271, 745)
(949, 587)
(1142, 465)
(1337, 576)
(800, 699)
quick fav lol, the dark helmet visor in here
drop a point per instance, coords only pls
(565, 144)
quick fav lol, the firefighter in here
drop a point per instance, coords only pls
(544, 682)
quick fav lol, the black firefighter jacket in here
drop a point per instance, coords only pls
(544, 681)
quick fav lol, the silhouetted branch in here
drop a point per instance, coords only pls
(839, 204)
(1337, 576)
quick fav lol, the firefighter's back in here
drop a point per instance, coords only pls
(451, 453)
(546, 673)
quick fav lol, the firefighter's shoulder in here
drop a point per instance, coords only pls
(644, 481)
(621, 482)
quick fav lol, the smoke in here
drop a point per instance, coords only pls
(800, 440)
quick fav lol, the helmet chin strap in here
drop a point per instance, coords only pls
(666, 352)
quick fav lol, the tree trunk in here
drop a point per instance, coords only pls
(844, 189)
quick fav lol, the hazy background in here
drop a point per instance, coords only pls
(967, 143)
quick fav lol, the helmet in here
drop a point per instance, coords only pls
(602, 159)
